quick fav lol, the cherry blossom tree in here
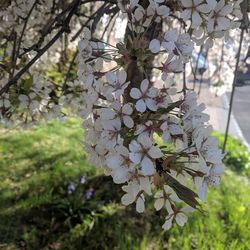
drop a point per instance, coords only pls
(150, 137)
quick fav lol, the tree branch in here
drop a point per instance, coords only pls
(65, 28)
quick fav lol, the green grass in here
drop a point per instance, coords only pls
(44, 155)
(238, 156)
(36, 211)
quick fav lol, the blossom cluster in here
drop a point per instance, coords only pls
(151, 137)
(154, 140)
(12, 21)
(194, 21)
(206, 19)
(34, 102)
(26, 26)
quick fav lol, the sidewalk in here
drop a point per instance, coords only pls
(217, 108)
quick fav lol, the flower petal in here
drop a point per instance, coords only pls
(204, 8)
(134, 146)
(172, 35)
(107, 114)
(203, 191)
(168, 223)
(135, 93)
(147, 166)
(140, 206)
(122, 76)
(145, 141)
(163, 11)
(187, 3)
(127, 109)
(138, 14)
(166, 136)
(111, 77)
(145, 185)
(135, 157)
(226, 10)
(181, 219)
(186, 14)
(212, 4)
(120, 175)
(196, 19)
(155, 152)
(113, 161)
(159, 204)
(155, 46)
(140, 106)
(144, 85)
(128, 121)
(127, 199)
(151, 104)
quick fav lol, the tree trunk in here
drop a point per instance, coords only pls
(134, 74)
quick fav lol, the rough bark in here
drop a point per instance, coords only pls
(134, 73)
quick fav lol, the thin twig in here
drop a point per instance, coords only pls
(93, 16)
(65, 28)
(22, 34)
(184, 89)
(200, 82)
(48, 28)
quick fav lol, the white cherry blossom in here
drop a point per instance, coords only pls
(144, 96)
(179, 217)
(116, 83)
(120, 164)
(171, 66)
(143, 152)
(194, 10)
(211, 178)
(134, 192)
(145, 129)
(110, 137)
(174, 43)
(119, 113)
(164, 198)
(170, 127)
(218, 18)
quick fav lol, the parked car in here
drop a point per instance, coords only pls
(202, 65)
(243, 78)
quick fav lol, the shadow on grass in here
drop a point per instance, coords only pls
(96, 223)
(37, 211)
(35, 178)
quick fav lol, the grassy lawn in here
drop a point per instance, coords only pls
(38, 211)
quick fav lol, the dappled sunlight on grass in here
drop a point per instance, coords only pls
(38, 212)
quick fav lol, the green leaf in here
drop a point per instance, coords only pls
(185, 194)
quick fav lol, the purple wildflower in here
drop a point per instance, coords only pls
(83, 179)
(89, 193)
(71, 188)
(62, 118)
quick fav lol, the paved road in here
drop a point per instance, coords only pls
(241, 109)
